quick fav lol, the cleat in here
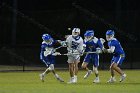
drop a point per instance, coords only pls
(97, 80)
(42, 77)
(72, 81)
(75, 79)
(122, 78)
(60, 79)
(111, 80)
(88, 74)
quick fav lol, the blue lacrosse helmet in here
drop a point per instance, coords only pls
(110, 32)
(89, 34)
(46, 37)
(110, 35)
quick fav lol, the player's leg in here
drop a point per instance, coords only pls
(115, 67)
(42, 75)
(95, 68)
(71, 71)
(118, 61)
(51, 68)
(112, 72)
(75, 70)
(71, 68)
(96, 80)
(85, 64)
(89, 72)
(76, 62)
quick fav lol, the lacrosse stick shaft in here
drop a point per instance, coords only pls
(59, 47)
(78, 53)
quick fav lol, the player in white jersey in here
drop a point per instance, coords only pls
(74, 45)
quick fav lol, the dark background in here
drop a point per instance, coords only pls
(22, 22)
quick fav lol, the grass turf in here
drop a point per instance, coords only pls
(29, 82)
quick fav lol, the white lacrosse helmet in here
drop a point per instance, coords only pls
(75, 32)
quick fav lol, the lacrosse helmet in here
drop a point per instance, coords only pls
(89, 34)
(110, 35)
(75, 32)
(47, 38)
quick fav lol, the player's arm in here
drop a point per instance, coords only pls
(100, 47)
(43, 45)
(48, 51)
(84, 46)
(111, 48)
(45, 49)
(62, 43)
(81, 47)
(100, 43)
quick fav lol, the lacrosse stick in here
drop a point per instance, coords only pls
(78, 53)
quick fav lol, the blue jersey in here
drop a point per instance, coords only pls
(118, 48)
(46, 50)
(91, 47)
(93, 44)
(49, 45)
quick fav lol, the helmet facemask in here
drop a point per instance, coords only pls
(75, 32)
(47, 38)
(88, 38)
(109, 37)
(48, 41)
(89, 35)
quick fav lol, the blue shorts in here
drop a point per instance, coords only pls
(118, 59)
(94, 58)
(48, 59)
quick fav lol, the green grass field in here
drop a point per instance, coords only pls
(29, 82)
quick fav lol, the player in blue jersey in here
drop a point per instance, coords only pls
(47, 56)
(92, 44)
(118, 56)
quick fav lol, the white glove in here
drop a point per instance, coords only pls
(105, 50)
(102, 40)
(63, 43)
(46, 53)
(98, 50)
(81, 53)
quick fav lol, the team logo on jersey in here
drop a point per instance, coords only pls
(74, 45)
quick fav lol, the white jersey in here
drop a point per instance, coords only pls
(74, 45)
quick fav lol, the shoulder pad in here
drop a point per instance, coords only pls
(95, 40)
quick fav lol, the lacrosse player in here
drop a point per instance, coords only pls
(74, 45)
(47, 56)
(92, 44)
(118, 56)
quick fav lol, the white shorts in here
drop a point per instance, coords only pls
(73, 58)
